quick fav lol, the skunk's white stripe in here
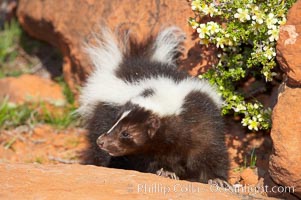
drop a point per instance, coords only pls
(122, 117)
(168, 95)
(167, 44)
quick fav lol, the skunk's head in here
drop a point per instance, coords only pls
(131, 133)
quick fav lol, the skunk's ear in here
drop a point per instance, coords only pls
(154, 124)
(168, 45)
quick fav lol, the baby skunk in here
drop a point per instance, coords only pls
(144, 114)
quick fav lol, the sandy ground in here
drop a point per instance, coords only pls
(42, 144)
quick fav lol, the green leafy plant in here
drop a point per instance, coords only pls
(8, 41)
(59, 120)
(253, 159)
(245, 31)
(12, 115)
(251, 162)
(66, 90)
(248, 162)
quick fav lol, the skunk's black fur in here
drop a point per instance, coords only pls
(137, 64)
(190, 144)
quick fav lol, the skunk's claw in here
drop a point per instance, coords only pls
(220, 183)
(167, 174)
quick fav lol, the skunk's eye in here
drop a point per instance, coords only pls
(125, 134)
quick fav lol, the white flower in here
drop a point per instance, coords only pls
(258, 17)
(271, 20)
(212, 10)
(242, 15)
(282, 21)
(229, 42)
(193, 24)
(203, 31)
(209, 10)
(269, 52)
(256, 106)
(245, 121)
(253, 125)
(240, 107)
(254, 8)
(259, 117)
(196, 5)
(205, 9)
(249, 6)
(213, 27)
(274, 33)
(220, 42)
(266, 75)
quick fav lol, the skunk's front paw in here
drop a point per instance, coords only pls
(220, 183)
(167, 174)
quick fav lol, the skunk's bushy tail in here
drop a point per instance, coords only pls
(107, 55)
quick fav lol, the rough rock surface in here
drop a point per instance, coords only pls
(31, 88)
(249, 176)
(67, 24)
(28, 181)
(285, 162)
(289, 45)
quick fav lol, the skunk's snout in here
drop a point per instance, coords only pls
(100, 142)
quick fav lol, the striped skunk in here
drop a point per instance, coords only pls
(144, 114)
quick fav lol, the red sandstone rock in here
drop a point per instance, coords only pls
(249, 176)
(285, 162)
(31, 88)
(289, 45)
(66, 25)
(27, 181)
